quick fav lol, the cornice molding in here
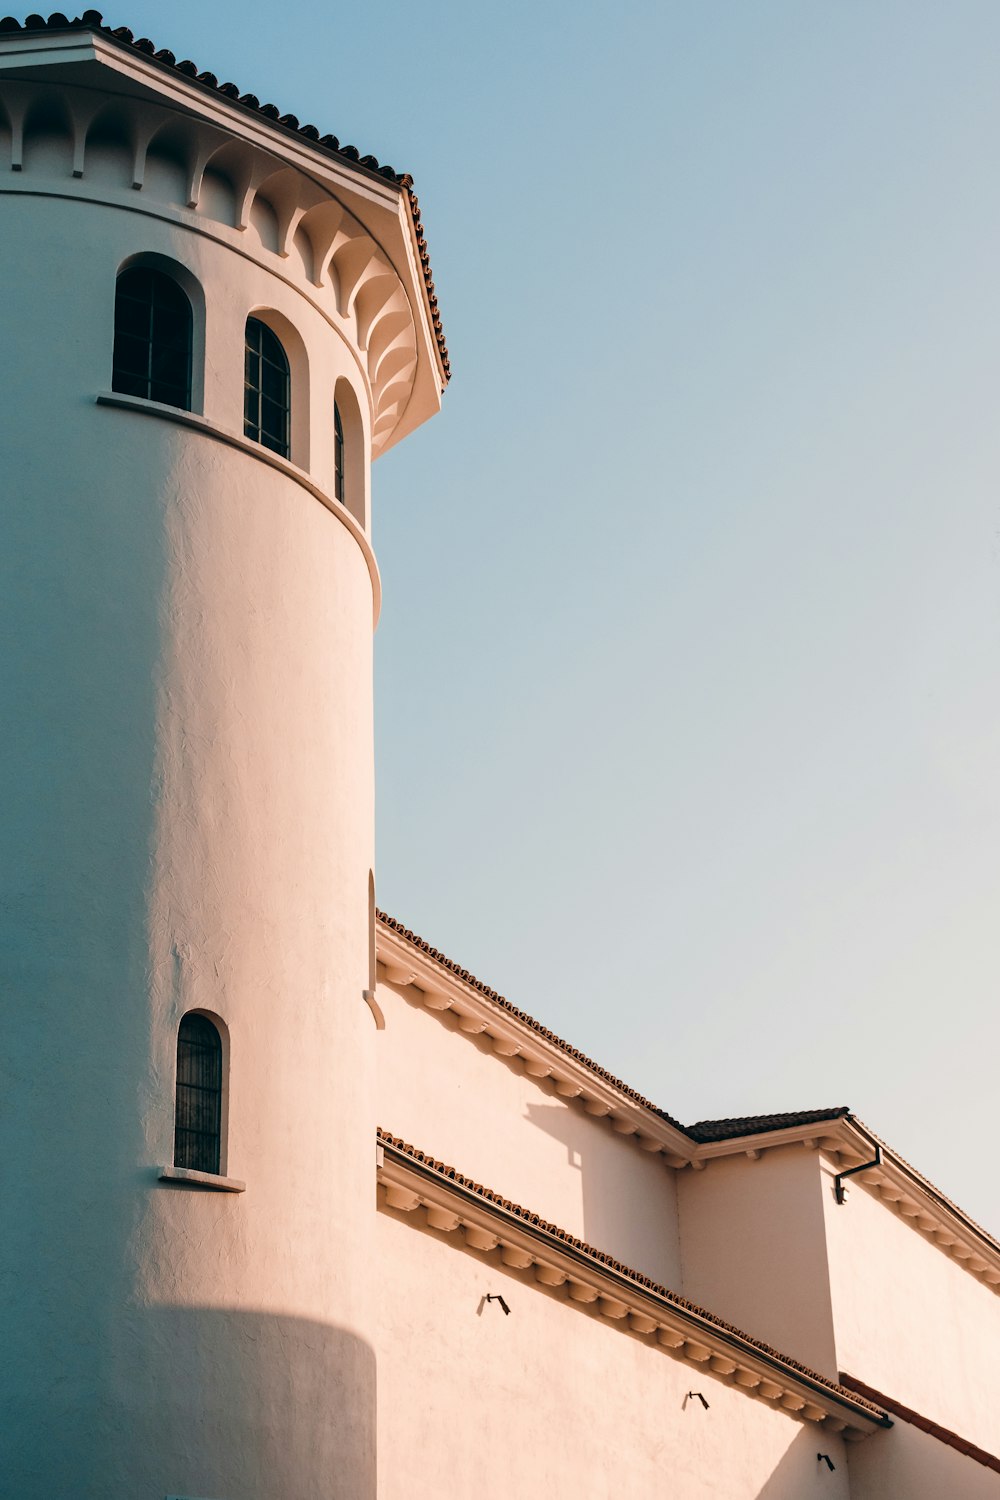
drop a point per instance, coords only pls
(436, 989)
(902, 1189)
(848, 1143)
(579, 1275)
(844, 1140)
(364, 276)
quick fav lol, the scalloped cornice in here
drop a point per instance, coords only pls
(361, 257)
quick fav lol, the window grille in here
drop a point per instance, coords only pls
(198, 1112)
(338, 455)
(153, 327)
(266, 389)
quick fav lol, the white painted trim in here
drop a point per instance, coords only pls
(440, 990)
(575, 1273)
(262, 455)
(22, 50)
(371, 196)
(822, 1133)
(847, 1143)
(841, 1139)
(211, 1180)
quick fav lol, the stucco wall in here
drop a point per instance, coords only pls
(908, 1464)
(187, 822)
(450, 1094)
(910, 1321)
(753, 1249)
(552, 1401)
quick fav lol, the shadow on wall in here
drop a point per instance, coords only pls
(801, 1474)
(907, 1462)
(81, 578)
(608, 1196)
(209, 1403)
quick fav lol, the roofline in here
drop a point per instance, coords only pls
(442, 985)
(287, 125)
(919, 1181)
(851, 1143)
(926, 1424)
(702, 1130)
(413, 1179)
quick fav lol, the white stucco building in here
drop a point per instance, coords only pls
(294, 1208)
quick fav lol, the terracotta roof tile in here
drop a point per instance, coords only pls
(536, 1221)
(702, 1131)
(92, 20)
(916, 1419)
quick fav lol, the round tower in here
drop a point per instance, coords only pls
(212, 320)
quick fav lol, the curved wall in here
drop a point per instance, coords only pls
(187, 824)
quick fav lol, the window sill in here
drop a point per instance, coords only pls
(195, 420)
(210, 1180)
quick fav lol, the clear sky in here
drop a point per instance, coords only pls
(688, 703)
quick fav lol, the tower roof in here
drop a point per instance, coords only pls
(48, 55)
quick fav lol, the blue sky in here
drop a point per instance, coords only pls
(688, 717)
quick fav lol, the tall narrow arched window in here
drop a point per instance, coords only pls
(266, 389)
(198, 1110)
(338, 455)
(350, 467)
(372, 953)
(153, 335)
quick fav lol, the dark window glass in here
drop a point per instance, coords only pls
(198, 1113)
(338, 455)
(266, 389)
(153, 327)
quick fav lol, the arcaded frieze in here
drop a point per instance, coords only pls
(151, 158)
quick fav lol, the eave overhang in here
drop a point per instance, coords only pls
(848, 1143)
(584, 1276)
(93, 59)
(432, 981)
(434, 987)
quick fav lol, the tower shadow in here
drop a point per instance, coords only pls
(206, 1402)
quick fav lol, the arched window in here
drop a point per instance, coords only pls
(198, 1111)
(266, 389)
(338, 455)
(153, 329)
(350, 443)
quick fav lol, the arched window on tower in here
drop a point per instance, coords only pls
(266, 389)
(338, 456)
(198, 1110)
(153, 335)
(350, 444)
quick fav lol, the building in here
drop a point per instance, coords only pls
(293, 1206)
